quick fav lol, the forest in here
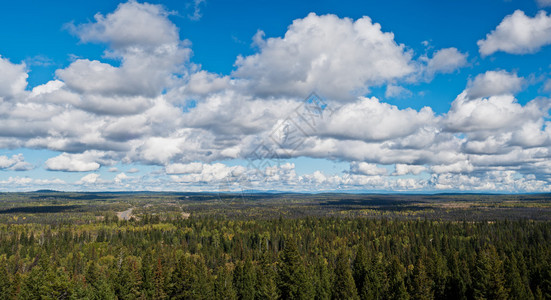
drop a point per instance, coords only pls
(168, 254)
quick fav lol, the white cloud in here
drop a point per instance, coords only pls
(89, 179)
(13, 78)
(197, 10)
(366, 169)
(544, 3)
(518, 34)
(73, 162)
(375, 121)
(505, 181)
(120, 178)
(157, 108)
(457, 167)
(31, 183)
(396, 91)
(496, 113)
(204, 83)
(184, 168)
(15, 163)
(547, 86)
(403, 169)
(494, 83)
(337, 57)
(446, 61)
(151, 54)
(133, 170)
(208, 173)
(131, 24)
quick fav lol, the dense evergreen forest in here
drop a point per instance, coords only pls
(277, 258)
(56, 245)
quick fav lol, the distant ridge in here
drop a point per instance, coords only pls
(278, 192)
(46, 191)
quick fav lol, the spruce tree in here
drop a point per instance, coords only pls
(245, 280)
(489, 276)
(292, 280)
(396, 274)
(343, 284)
(422, 283)
(223, 284)
(322, 279)
(361, 270)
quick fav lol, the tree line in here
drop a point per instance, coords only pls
(295, 258)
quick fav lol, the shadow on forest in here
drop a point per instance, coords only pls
(369, 202)
(381, 204)
(71, 197)
(39, 209)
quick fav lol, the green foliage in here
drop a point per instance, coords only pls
(293, 282)
(343, 285)
(281, 258)
(489, 276)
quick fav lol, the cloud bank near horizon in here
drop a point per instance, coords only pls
(157, 108)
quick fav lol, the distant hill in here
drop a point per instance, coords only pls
(46, 191)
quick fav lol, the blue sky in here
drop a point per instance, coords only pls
(423, 96)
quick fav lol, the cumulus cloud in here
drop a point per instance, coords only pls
(204, 83)
(131, 24)
(518, 34)
(373, 120)
(156, 108)
(457, 167)
(206, 173)
(445, 61)
(15, 163)
(403, 169)
(337, 57)
(33, 183)
(184, 168)
(493, 113)
(120, 178)
(366, 169)
(13, 78)
(89, 179)
(494, 83)
(73, 162)
(151, 55)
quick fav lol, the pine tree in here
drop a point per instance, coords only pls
(266, 279)
(322, 279)
(159, 283)
(245, 280)
(343, 285)
(489, 276)
(376, 282)
(519, 289)
(292, 280)
(361, 271)
(97, 286)
(179, 283)
(422, 283)
(202, 285)
(5, 284)
(457, 281)
(129, 278)
(223, 285)
(397, 287)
